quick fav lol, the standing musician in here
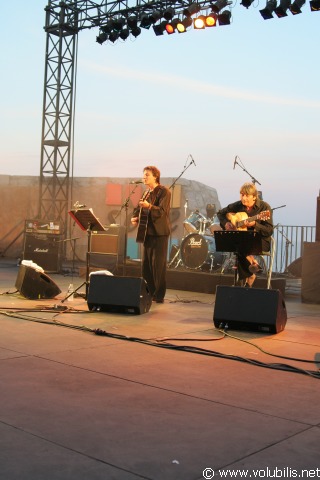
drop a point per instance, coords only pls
(155, 206)
(249, 205)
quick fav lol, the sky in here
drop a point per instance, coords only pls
(248, 90)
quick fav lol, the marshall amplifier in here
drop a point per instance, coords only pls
(42, 227)
(43, 250)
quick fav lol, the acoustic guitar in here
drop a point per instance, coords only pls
(143, 220)
(239, 219)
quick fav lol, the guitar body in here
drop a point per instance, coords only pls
(143, 220)
(142, 226)
(235, 218)
(239, 219)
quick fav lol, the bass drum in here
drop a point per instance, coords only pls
(199, 251)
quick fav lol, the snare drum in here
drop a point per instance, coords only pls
(199, 250)
(195, 222)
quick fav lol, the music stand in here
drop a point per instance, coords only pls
(245, 242)
(86, 220)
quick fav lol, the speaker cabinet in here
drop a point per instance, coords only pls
(254, 309)
(43, 250)
(110, 241)
(32, 284)
(107, 248)
(310, 280)
(118, 294)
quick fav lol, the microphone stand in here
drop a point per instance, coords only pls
(253, 179)
(125, 206)
(186, 166)
(288, 242)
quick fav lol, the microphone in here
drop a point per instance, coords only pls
(136, 182)
(193, 160)
(235, 162)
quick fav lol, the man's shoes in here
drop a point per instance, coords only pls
(158, 300)
(250, 281)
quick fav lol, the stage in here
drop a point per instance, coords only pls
(160, 395)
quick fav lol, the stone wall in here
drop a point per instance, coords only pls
(19, 196)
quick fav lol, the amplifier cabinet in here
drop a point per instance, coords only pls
(109, 242)
(44, 250)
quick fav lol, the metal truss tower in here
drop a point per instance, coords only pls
(64, 20)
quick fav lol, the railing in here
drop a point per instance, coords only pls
(289, 245)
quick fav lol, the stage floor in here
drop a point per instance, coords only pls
(161, 395)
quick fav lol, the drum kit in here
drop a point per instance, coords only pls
(197, 250)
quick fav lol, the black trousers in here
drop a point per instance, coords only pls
(244, 264)
(154, 264)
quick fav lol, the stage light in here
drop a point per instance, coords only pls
(171, 27)
(315, 5)
(168, 14)
(247, 3)
(155, 16)
(136, 31)
(124, 34)
(118, 23)
(199, 23)
(191, 9)
(101, 38)
(145, 21)
(106, 28)
(211, 20)
(160, 28)
(184, 24)
(295, 7)
(266, 12)
(281, 10)
(113, 36)
(224, 18)
(132, 21)
(219, 5)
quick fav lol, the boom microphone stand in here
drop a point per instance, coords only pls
(186, 166)
(253, 179)
(125, 206)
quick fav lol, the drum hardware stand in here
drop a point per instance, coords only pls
(229, 262)
(176, 257)
(86, 220)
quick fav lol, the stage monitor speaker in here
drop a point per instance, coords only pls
(255, 309)
(33, 285)
(43, 250)
(109, 293)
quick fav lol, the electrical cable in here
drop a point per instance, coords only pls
(169, 346)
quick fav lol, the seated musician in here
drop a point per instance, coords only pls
(249, 205)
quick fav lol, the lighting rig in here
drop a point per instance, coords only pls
(164, 17)
(179, 16)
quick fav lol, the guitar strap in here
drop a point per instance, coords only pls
(157, 196)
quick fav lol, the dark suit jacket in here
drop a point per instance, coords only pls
(158, 219)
